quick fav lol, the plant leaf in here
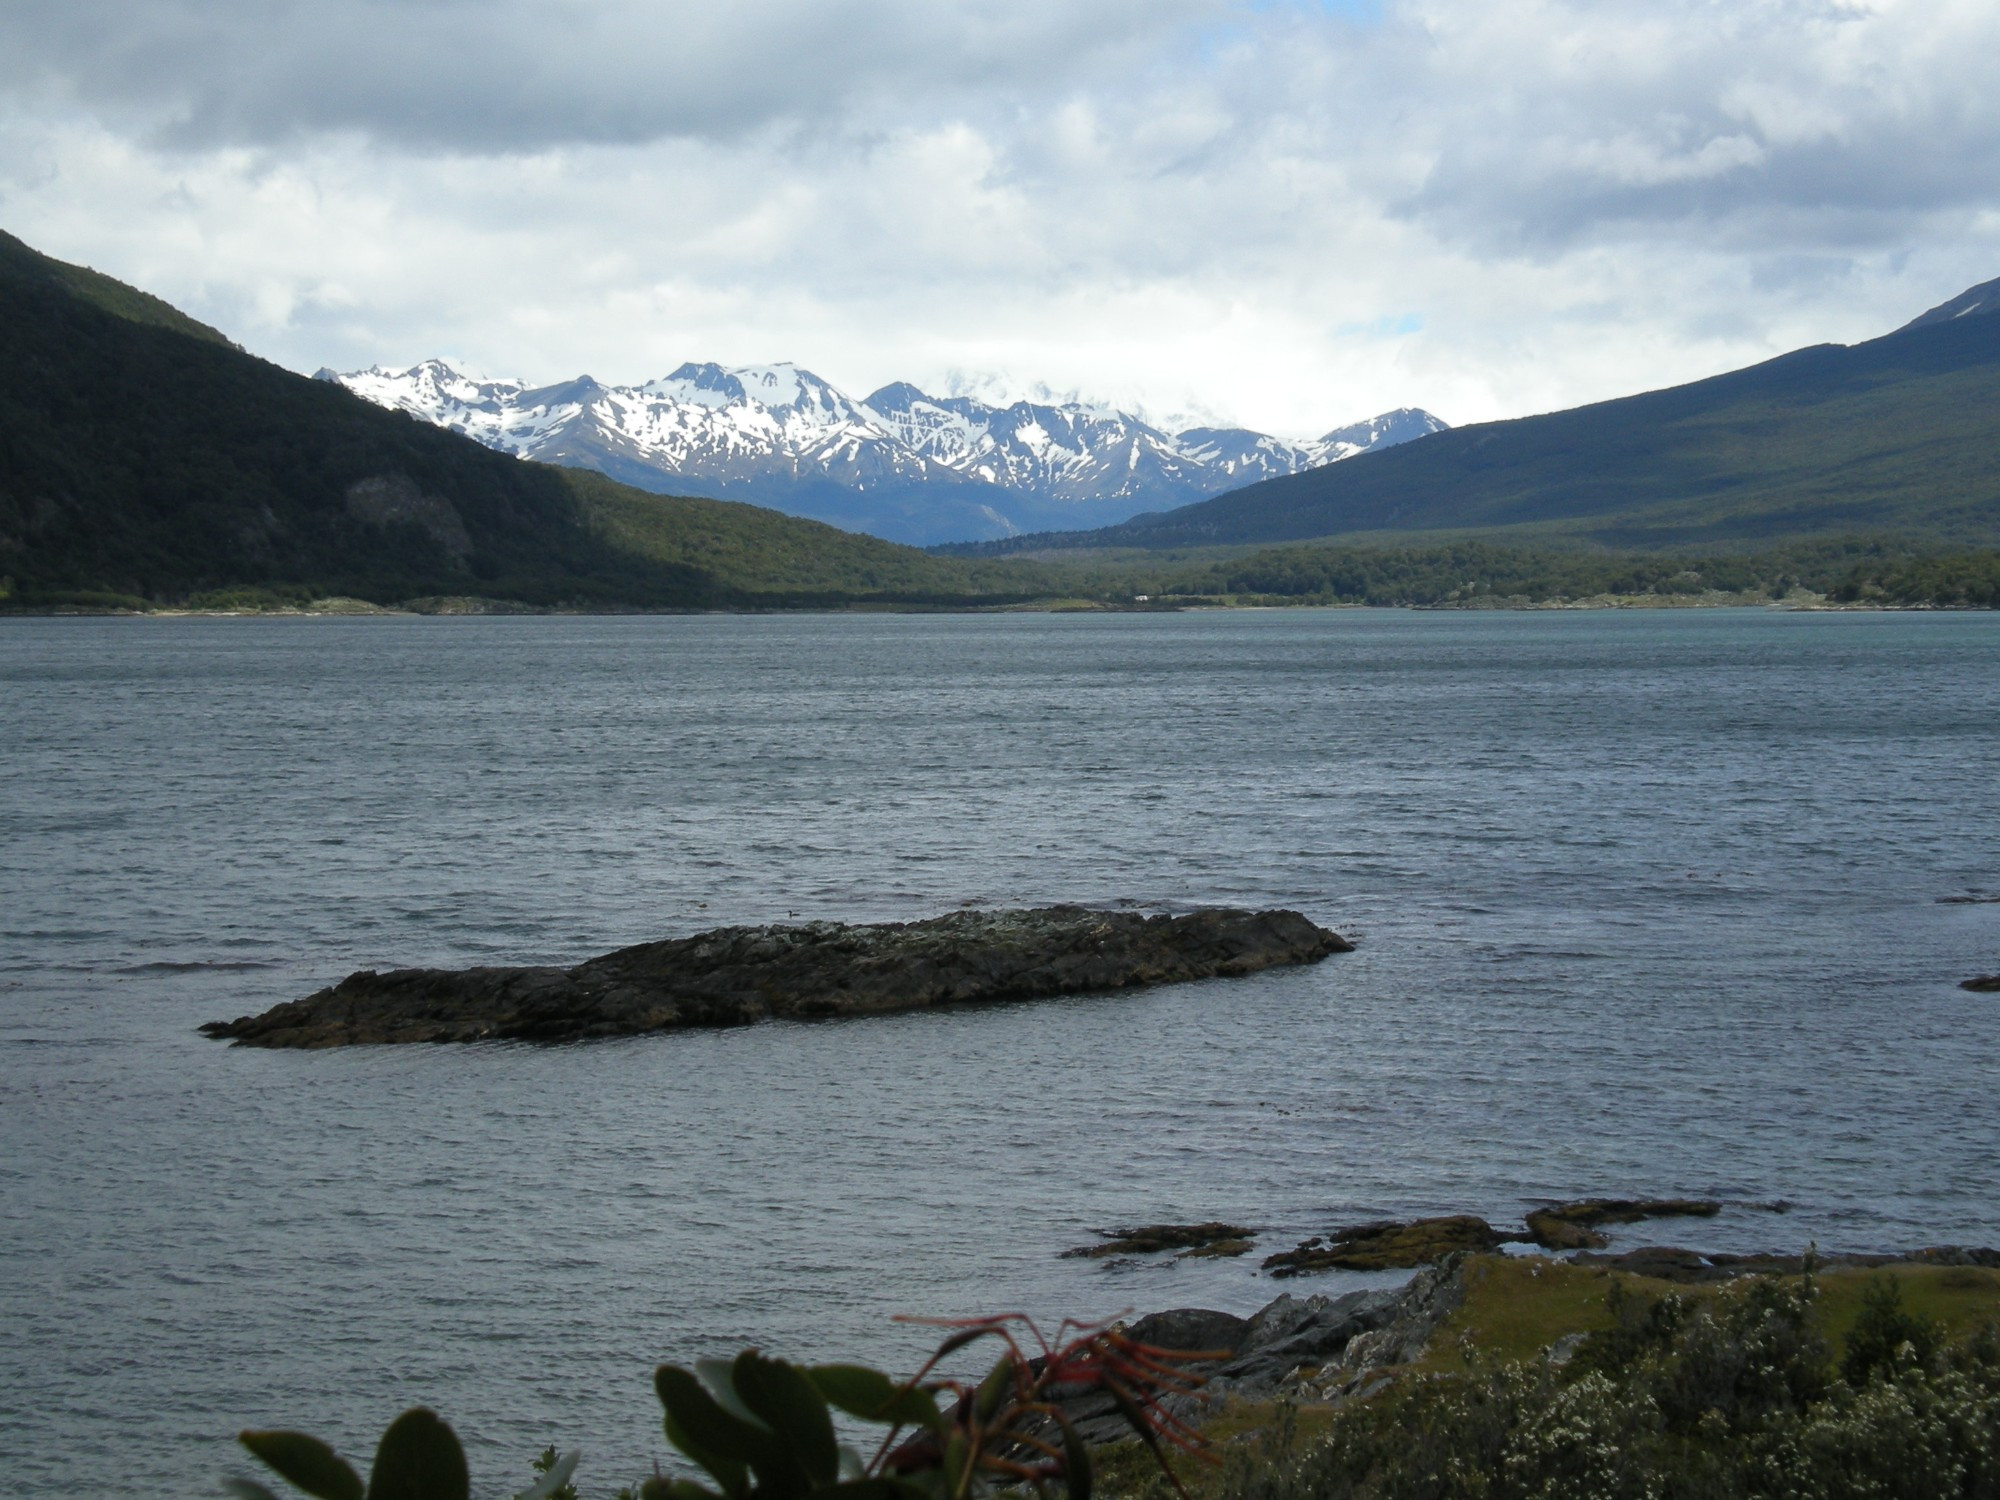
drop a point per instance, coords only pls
(862, 1392)
(306, 1462)
(719, 1376)
(246, 1489)
(731, 1474)
(993, 1390)
(419, 1459)
(1076, 1459)
(555, 1479)
(795, 1411)
(704, 1419)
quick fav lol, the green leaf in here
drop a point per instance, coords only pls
(418, 1459)
(862, 1392)
(993, 1390)
(701, 1428)
(719, 1375)
(246, 1489)
(554, 1476)
(731, 1474)
(956, 1473)
(703, 1419)
(306, 1462)
(1076, 1459)
(794, 1410)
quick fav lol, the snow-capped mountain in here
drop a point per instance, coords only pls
(901, 464)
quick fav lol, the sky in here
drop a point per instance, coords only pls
(1284, 214)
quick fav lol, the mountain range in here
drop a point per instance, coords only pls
(147, 460)
(900, 464)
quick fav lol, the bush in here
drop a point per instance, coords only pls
(763, 1429)
(1675, 1401)
(1884, 1337)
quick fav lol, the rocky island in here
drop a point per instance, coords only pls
(736, 975)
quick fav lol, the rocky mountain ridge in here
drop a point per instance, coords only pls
(901, 463)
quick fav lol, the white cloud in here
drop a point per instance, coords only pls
(1286, 215)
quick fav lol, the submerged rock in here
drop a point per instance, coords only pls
(1572, 1226)
(1388, 1245)
(1214, 1238)
(1985, 984)
(735, 975)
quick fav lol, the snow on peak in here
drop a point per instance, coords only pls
(749, 425)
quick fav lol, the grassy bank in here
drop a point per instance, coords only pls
(1557, 1380)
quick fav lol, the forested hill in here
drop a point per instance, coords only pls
(1900, 435)
(143, 457)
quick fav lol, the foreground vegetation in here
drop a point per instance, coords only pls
(1550, 1381)
(759, 1428)
(1555, 1381)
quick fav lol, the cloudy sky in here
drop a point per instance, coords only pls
(1283, 213)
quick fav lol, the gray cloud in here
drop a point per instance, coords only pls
(1760, 125)
(498, 76)
(1295, 213)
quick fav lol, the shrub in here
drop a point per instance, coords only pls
(1677, 1400)
(762, 1428)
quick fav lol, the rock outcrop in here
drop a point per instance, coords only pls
(1322, 1347)
(1210, 1239)
(1572, 1226)
(736, 975)
(1388, 1245)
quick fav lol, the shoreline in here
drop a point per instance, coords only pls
(356, 609)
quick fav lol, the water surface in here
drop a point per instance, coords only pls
(1646, 903)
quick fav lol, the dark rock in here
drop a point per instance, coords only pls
(1094, 1413)
(1958, 1255)
(1387, 1245)
(1571, 1226)
(1218, 1250)
(1149, 1239)
(1985, 984)
(1665, 1263)
(1554, 1233)
(1191, 1330)
(736, 975)
(1290, 1339)
(1767, 1263)
(1671, 1263)
(1260, 1355)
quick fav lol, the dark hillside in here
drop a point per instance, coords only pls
(1898, 435)
(143, 456)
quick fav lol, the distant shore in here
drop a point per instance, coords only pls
(340, 608)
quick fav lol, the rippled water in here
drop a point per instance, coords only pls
(1646, 903)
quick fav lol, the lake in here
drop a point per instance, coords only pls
(1645, 903)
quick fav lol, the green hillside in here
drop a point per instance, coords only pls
(1898, 436)
(145, 458)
